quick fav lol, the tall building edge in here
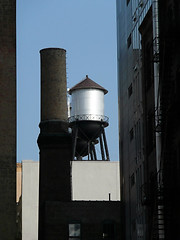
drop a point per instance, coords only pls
(148, 72)
(8, 119)
(120, 114)
(169, 19)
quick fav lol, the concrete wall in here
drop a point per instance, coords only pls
(94, 180)
(7, 119)
(30, 193)
(91, 181)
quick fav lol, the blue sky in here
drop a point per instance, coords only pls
(87, 30)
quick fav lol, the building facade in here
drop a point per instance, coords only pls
(91, 181)
(148, 56)
(55, 142)
(8, 119)
(130, 15)
(169, 16)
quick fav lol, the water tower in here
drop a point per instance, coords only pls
(87, 120)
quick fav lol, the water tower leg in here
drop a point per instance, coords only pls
(94, 152)
(101, 146)
(75, 134)
(105, 144)
(91, 153)
(89, 150)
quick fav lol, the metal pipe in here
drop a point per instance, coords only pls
(156, 81)
(157, 100)
(109, 196)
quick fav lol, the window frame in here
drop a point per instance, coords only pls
(70, 236)
(106, 224)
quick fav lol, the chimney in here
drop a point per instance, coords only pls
(53, 90)
(54, 141)
(53, 84)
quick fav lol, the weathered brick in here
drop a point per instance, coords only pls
(7, 119)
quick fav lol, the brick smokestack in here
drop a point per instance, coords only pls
(54, 140)
(53, 84)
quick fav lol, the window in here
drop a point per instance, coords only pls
(108, 230)
(133, 225)
(137, 133)
(132, 180)
(150, 132)
(148, 65)
(129, 41)
(74, 231)
(130, 90)
(131, 134)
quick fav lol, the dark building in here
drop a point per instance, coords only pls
(83, 220)
(169, 15)
(59, 216)
(7, 119)
(148, 80)
(131, 116)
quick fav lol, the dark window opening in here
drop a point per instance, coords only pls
(74, 231)
(148, 63)
(129, 41)
(132, 180)
(177, 82)
(133, 224)
(130, 90)
(108, 230)
(127, 1)
(150, 132)
(131, 134)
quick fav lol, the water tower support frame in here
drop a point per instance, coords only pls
(91, 150)
(102, 148)
(74, 138)
(94, 152)
(105, 144)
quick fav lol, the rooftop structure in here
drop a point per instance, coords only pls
(87, 119)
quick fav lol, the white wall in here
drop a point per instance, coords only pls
(30, 193)
(91, 180)
(94, 180)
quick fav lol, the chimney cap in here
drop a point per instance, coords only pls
(52, 49)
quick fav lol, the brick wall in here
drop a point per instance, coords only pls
(90, 214)
(7, 118)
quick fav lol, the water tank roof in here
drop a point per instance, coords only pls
(87, 83)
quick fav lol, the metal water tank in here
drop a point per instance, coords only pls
(87, 120)
(87, 108)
